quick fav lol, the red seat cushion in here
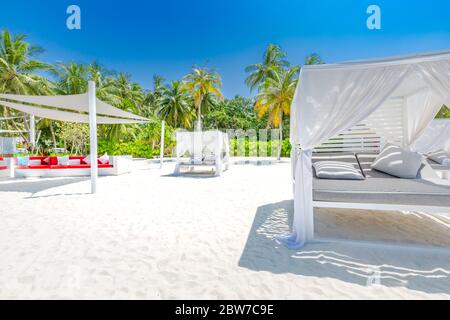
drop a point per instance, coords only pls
(3, 168)
(1, 158)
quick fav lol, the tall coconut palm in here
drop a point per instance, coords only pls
(313, 59)
(174, 106)
(17, 71)
(275, 98)
(131, 99)
(199, 83)
(273, 61)
(17, 66)
(71, 78)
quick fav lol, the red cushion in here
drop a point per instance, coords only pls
(1, 158)
(53, 161)
(3, 168)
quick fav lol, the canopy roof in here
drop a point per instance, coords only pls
(71, 108)
(345, 94)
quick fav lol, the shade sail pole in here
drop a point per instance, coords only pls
(32, 133)
(162, 143)
(93, 135)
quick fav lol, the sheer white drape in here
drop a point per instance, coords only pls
(436, 137)
(332, 98)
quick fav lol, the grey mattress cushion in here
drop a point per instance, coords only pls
(388, 190)
(439, 157)
(398, 162)
(337, 170)
(383, 188)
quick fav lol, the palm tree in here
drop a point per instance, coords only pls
(17, 66)
(313, 59)
(275, 98)
(273, 62)
(130, 98)
(72, 78)
(17, 71)
(174, 106)
(199, 83)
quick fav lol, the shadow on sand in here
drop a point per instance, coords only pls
(34, 186)
(361, 263)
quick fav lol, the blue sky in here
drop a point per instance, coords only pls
(168, 37)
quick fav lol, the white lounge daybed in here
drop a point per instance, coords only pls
(331, 99)
(206, 151)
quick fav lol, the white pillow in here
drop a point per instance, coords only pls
(440, 157)
(337, 170)
(87, 159)
(104, 159)
(74, 162)
(398, 162)
(63, 161)
(34, 162)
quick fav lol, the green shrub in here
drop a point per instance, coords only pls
(137, 149)
(259, 148)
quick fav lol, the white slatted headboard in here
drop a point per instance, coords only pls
(384, 125)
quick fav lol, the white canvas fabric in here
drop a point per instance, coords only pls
(77, 102)
(67, 116)
(436, 137)
(332, 98)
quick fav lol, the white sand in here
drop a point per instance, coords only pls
(154, 236)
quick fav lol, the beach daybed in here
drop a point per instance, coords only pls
(49, 167)
(202, 151)
(395, 99)
(381, 191)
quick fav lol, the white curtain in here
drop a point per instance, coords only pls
(436, 137)
(421, 108)
(332, 98)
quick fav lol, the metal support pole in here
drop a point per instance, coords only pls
(93, 135)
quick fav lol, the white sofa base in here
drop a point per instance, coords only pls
(121, 165)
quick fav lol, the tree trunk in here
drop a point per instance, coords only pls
(52, 131)
(199, 120)
(280, 145)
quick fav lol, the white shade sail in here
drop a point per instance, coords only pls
(333, 98)
(67, 116)
(77, 103)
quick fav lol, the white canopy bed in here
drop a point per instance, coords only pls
(331, 99)
(202, 149)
